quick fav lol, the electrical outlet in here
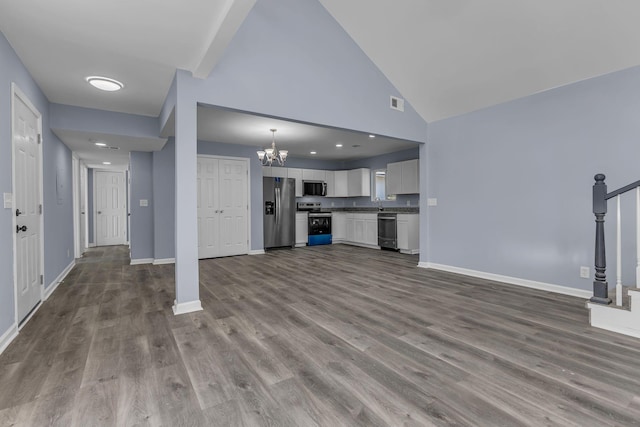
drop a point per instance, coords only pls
(585, 272)
(354, 203)
(432, 202)
(408, 202)
(333, 204)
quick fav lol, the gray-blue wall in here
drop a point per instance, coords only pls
(58, 218)
(291, 59)
(164, 199)
(513, 182)
(141, 238)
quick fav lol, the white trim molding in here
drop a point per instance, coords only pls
(8, 337)
(164, 261)
(256, 252)
(565, 290)
(54, 285)
(92, 245)
(186, 307)
(141, 261)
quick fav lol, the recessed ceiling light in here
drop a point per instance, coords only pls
(106, 163)
(101, 144)
(356, 145)
(104, 83)
(339, 145)
(313, 152)
(372, 135)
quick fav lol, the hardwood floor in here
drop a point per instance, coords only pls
(325, 335)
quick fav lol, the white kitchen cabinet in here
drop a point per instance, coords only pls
(403, 177)
(313, 175)
(408, 226)
(296, 174)
(338, 227)
(274, 171)
(351, 228)
(362, 229)
(302, 228)
(371, 229)
(329, 179)
(359, 182)
(341, 184)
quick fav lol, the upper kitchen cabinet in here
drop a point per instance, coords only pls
(340, 184)
(313, 175)
(274, 171)
(359, 182)
(296, 174)
(403, 177)
(329, 179)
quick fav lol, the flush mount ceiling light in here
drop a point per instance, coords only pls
(106, 163)
(104, 83)
(338, 145)
(101, 144)
(313, 152)
(270, 155)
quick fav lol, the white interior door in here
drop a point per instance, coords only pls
(111, 208)
(27, 199)
(233, 207)
(208, 209)
(83, 209)
(223, 201)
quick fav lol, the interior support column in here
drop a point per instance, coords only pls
(186, 229)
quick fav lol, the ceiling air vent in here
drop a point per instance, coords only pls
(396, 103)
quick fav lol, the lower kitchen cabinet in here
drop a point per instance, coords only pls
(408, 226)
(302, 228)
(360, 229)
(338, 227)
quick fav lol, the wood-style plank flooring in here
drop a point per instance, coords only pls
(326, 335)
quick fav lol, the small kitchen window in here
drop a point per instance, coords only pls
(378, 186)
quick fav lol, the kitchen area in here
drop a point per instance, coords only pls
(375, 207)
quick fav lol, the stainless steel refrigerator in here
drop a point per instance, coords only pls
(279, 210)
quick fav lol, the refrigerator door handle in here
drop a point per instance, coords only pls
(277, 205)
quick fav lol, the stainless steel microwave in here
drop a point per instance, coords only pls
(314, 188)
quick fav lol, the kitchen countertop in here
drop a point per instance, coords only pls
(395, 209)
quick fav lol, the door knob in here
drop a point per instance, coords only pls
(19, 229)
(18, 213)
(99, 212)
(221, 211)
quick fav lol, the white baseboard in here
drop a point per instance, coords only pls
(164, 261)
(186, 307)
(141, 261)
(92, 245)
(7, 337)
(410, 251)
(565, 290)
(256, 252)
(54, 285)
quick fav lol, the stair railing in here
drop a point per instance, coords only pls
(600, 198)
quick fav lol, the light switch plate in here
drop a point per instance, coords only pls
(432, 202)
(144, 202)
(8, 200)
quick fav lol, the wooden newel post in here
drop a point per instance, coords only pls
(600, 285)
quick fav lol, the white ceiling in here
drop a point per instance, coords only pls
(449, 57)
(445, 57)
(232, 127)
(116, 151)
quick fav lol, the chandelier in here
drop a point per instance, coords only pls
(270, 155)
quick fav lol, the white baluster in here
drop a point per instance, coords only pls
(637, 237)
(618, 255)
